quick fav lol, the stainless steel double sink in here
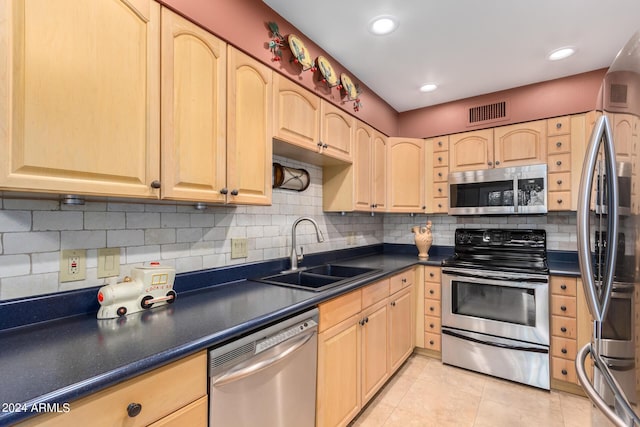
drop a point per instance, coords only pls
(320, 277)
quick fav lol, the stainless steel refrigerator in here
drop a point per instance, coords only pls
(609, 245)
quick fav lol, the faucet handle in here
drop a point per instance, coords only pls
(301, 256)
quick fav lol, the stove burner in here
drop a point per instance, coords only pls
(500, 250)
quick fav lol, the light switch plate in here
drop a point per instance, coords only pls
(73, 265)
(108, 262)
(239, 248)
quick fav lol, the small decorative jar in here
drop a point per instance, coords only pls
(423, 239)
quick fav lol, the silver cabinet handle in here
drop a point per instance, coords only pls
(597, 306)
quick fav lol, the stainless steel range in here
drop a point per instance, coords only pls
(495, 304)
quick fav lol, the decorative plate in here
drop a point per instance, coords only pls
(326, 69)
(348, 86)
(300, 52)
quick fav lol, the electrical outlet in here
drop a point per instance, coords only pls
(73, 265)
(108, 262)
(239, 248)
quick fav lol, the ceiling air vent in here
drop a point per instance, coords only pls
(488, 113)
(618, 94)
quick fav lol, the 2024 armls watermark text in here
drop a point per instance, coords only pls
(35, 408)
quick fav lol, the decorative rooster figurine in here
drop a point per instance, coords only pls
(423, 239)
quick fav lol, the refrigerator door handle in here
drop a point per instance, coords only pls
(597, 305)
(588, 388)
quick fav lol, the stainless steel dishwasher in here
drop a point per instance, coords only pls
(267, 378)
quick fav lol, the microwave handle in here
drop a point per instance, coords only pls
(516, 194)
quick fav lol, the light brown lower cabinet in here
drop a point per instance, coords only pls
(173, 395)
(365, 335)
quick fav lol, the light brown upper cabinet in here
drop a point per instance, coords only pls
(405, 175)
(308, 128)
(79, 112)
(521, 144)
(193, 112)
(471, 150)
(336, 132)
(249, 129)
(360, 186)
(505, 146)
(296, 115)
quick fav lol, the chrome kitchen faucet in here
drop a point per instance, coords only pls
(295, 258)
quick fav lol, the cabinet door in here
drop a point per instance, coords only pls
(521, 144)
(379, 172)
(338, 397)
(471, 150)
(401, 334)
(79, 111)
(249, 145)
(405, 168)
(375, 370)
(193, 111)
(296, 114)
(363, 167)
(336, 133)
(623, 131)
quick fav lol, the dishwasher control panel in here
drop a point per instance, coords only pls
(284, 335)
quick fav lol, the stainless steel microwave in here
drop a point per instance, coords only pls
(500, 191)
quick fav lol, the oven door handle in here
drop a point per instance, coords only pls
(520, 281)
(463, 336)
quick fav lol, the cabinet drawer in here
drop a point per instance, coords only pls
(432, 307)
(560, 181)
(563, 370)
(565, 348)
(563, 305)
(563, 286)
(338, 309)
(440, 174)
(160, 392)
(401, 280)
(432, 341)
(559, 200)
(432, 274)
(558, 126)
(440, 158)
(559, 144)
(195, 414)
(432, 324)
(441, 144)
(440, 189)
(563, 327)
(375, 292)
(432, 291)
(441, 205)
(559, 163)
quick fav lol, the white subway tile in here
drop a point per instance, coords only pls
(123, 238)
(31, 204)
(125, 207)
(13, 221)
(143, 220)
(83, 239)
(104, 220)
(175, 220)
(202, 248)
(57, 220)
(188, 235)
(25, 243)
(215, 233)
(213, 261)
(24, 286)
(174, 251)
(159, 236)
(14, 265)
(136, 254)
(205, 220)
(45, 262)
(165, 207)
(192, 263)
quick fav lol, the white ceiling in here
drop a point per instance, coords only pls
(467, 47)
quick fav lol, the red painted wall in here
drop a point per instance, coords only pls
(243, 23)
(568, 95)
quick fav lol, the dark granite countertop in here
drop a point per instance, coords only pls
(61, 360)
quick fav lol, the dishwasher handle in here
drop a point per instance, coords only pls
(264, 359)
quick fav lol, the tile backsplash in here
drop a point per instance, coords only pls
(34, 231)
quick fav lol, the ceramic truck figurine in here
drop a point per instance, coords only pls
(423, 239)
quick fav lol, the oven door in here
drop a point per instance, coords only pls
(507, 305)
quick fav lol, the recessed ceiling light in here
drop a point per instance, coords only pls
(562, 53)
(381, 25)
(429, 87)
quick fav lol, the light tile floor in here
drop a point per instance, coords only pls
(425, 392)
